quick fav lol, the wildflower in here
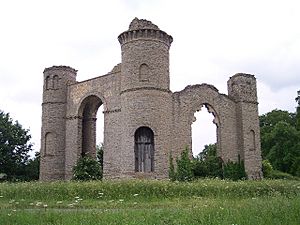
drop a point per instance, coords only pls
(31, 203)
(110, 200)
(77, 197)
(221, 208)
(14, 210)
(59, 202)
(100, 193)
(9, 214)
(135, 195)
(121, 200)
(1, 196)
(38, 204)
(135, 203)
(45, 205)
(71, 205)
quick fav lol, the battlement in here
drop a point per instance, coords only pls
(137, 24)
(62, 68)
(144, 29)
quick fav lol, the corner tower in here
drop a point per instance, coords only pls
(242, 89)
(56, 81)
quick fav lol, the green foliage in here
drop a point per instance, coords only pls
(99, 152)
(184, 167)
(32, 169)
(207, 163)
(285, 147)
(14, 147)
(172, 173)
(298, 111)
(276, 174)
(280, 140)
(87, 168)
(234, 170)
(267, 168)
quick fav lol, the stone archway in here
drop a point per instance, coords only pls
(88, 115)
(215, 121)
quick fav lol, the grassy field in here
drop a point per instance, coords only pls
(151, 202)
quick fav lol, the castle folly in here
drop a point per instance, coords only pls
(143, 120)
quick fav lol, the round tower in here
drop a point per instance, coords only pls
(146, 100)
(56, 81)
(145, 56)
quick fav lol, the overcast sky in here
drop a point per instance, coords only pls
(213, 40)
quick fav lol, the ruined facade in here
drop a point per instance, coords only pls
(143, 120)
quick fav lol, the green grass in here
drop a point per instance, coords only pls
(151, 202)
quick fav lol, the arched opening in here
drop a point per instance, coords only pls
(144, 150)
(204, 129)
(55, 82)
(48, 84)
(89, 123)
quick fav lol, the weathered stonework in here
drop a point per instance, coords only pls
(136, 94)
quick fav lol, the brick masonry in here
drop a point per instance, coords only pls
(136, 93)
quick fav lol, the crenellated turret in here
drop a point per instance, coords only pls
(145, 56)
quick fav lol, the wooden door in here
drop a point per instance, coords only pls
(144, 150)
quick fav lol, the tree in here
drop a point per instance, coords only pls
(284, 140)
(14, 147)
(207, 163)
(268, 123)
(298, 111)
(32, 168)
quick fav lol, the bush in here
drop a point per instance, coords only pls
(207, 163)
(172, 173)
(267, 168)
(87, 168)
(234, 170)
(184, 167)
(276, 174)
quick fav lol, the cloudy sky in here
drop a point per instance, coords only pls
(213, 40)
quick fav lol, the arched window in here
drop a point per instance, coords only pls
(252, 140)
(50, 143)
(47, 81)
(55, 82)
(144, 150)
(144, 73)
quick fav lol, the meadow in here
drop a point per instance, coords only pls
(208, 201)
